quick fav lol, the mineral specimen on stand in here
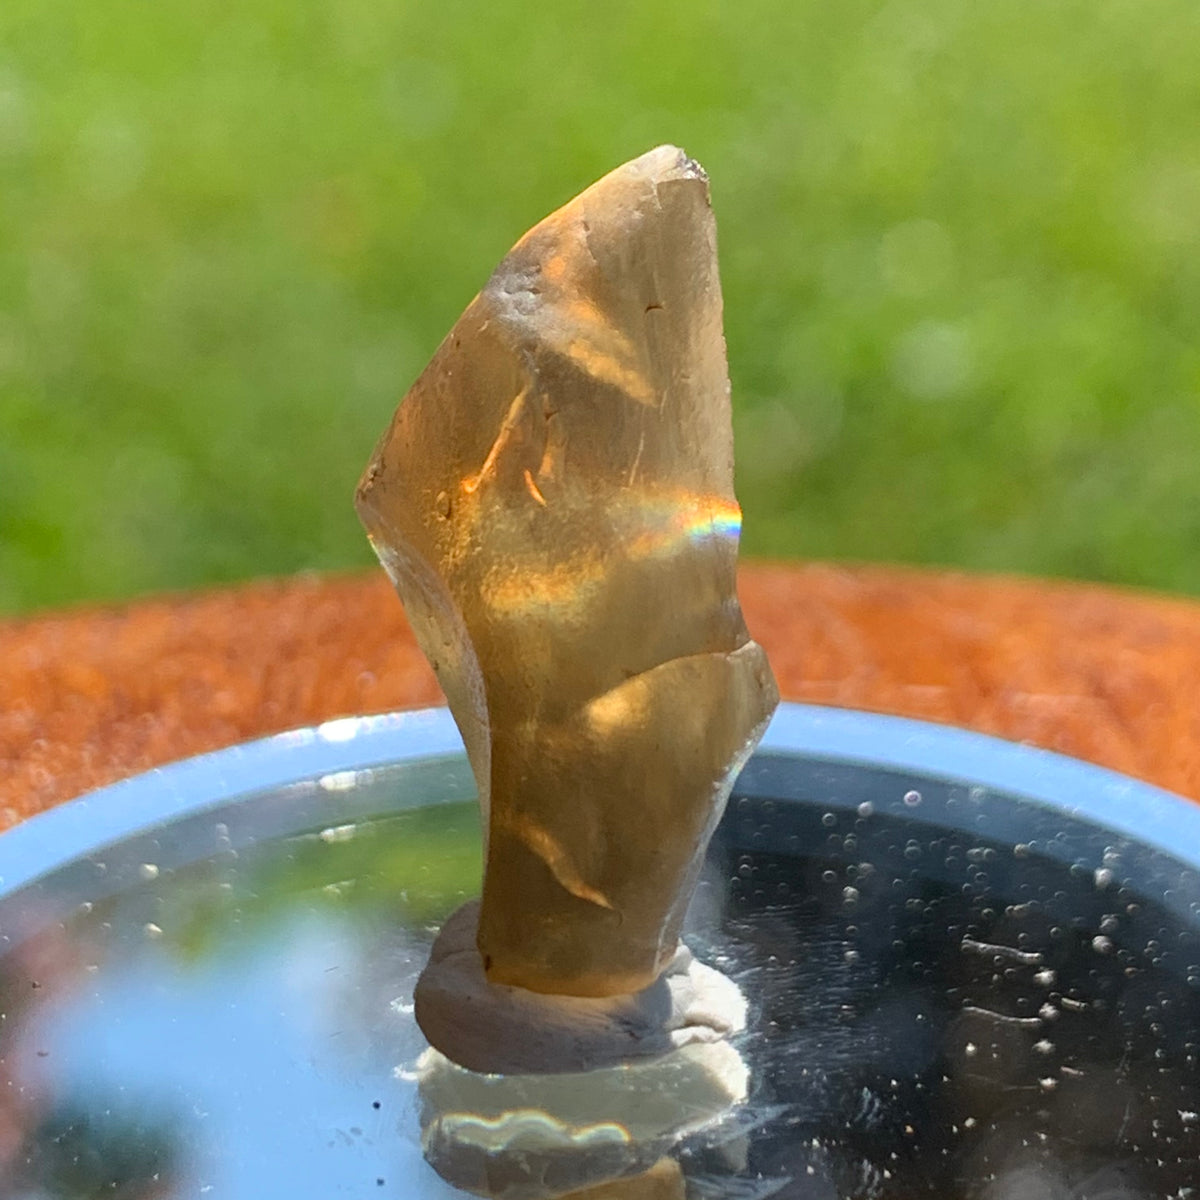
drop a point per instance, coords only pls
(554, 502)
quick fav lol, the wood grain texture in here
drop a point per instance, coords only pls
(91, 696)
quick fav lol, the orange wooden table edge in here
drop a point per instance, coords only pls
(91, 696)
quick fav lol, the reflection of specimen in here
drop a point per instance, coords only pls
(80, 1146)
(530, 1137)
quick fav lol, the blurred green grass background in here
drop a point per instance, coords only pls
(960, 248)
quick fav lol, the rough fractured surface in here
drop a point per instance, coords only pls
(554, 502)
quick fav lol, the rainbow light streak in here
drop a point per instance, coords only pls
(659, 527)
(697, 519)
(724, 521)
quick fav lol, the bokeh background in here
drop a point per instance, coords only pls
(960, 246)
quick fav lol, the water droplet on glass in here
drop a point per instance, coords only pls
(912, 799)
(148, 871)
(866, 808)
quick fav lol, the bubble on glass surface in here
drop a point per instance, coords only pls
(338, 833)
(338, 781)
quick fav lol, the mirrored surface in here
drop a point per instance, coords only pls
(954, 991)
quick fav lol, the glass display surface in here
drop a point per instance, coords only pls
(973, 971)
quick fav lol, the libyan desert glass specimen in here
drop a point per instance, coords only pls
(554, 502)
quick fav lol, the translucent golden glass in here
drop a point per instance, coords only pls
(554, 502)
